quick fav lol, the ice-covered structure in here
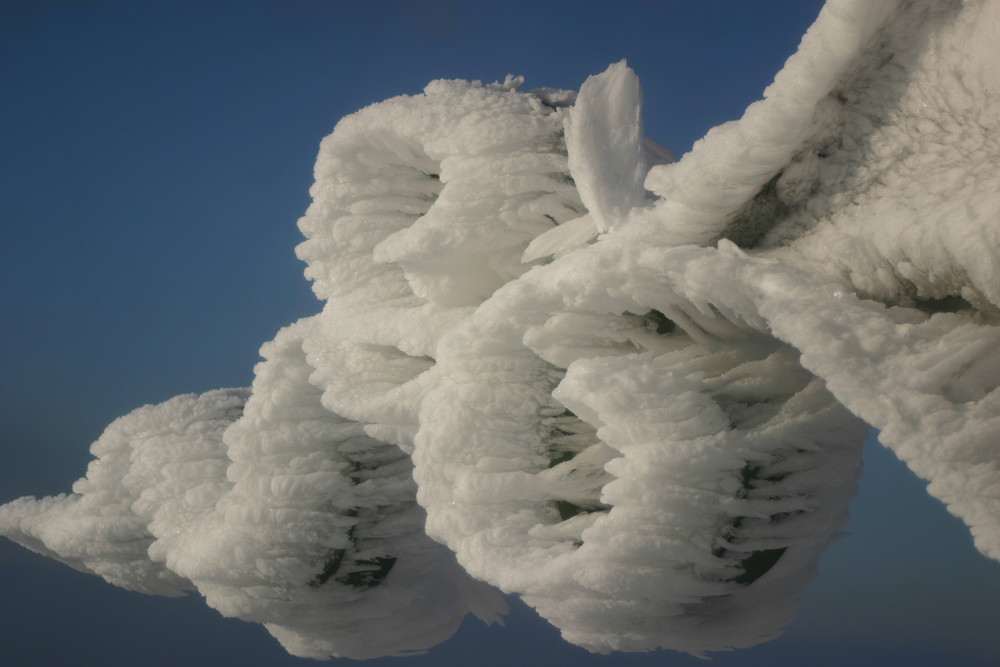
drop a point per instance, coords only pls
(629, 390)
(834, 248)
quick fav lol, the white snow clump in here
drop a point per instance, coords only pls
(631, 391)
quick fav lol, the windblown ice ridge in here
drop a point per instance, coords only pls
(631, 391)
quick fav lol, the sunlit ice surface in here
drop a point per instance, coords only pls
(554, 361)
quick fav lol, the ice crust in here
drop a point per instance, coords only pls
(154, 469)
(319, 536)
(551, 360)
(822, 168)
(422, 208)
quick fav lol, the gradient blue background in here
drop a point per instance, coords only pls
(154, 157)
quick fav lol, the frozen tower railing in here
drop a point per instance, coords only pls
(552, 361)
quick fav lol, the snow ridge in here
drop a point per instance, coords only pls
(554, 362)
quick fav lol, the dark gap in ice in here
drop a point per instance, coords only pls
(745, 413)
(336, 558)
(567, 510)
(556, 143)
(945, 304)
(660, 322)
(562, 177)
(751, 474)
(367, 459)
(330, 568)
(752, 222)
(369, 578)
(932, 305)
(566, 436)
(561, 457)
(757, 563)
(652, 321)
(372, 571)
(831, 162)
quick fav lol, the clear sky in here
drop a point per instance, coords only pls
(154, 157)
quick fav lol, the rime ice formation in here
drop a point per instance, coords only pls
(862, 191)
(422, 208)
(639, 486)
(631, 391)
(319, 536)
(157, 466)
(282, 514)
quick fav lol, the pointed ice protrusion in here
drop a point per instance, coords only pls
(568, 236)
(608, 158)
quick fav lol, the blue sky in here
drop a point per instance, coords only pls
(154, 158)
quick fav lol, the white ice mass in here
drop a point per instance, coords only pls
(552, 361)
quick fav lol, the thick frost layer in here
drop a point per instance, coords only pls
(154, 470)
(283, 514)
(320, 537)
(653, 433)
(422, 207)
(665, 490)
(702, 191)
(895, 190)
(890, 194)
(602, 477)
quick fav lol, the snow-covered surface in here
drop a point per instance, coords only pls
(318, 516)
(642, 522)
(733, 161)
(159, 465)
(283, 514)
(669, 355)
(422, 207)
(630, 390)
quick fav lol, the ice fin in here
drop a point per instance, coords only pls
(567, 236)
(607, 153)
